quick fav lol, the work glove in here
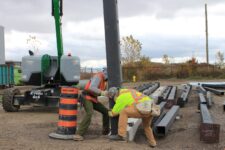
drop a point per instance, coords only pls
(104, 93)
(110, 113)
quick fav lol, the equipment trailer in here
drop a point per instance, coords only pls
(47, 72)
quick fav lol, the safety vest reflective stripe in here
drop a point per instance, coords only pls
(134, 94)
(87, 97)
(125, 91)
(101, 86)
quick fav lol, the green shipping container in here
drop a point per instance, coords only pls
(6, 75)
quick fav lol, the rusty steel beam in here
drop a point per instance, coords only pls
(209, 131)
(165, 124)
(183, 99)
(215, 91)
(171, 100)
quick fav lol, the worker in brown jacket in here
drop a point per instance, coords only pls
(125, 101)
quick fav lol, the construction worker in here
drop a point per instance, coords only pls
(94, 88)
(125, 101)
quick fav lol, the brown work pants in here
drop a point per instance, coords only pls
(132, 112)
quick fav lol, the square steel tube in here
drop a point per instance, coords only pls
(166, 123)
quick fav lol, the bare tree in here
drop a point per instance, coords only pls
(220, 58)
(131, 50)
(166, 59)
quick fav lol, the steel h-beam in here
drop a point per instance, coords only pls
(112, 40)
(209, 131)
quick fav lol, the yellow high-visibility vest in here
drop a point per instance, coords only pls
(128, 97)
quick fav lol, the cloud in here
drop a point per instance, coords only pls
(175, 27)
(35, 15)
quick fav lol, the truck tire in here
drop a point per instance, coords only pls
(8, 99)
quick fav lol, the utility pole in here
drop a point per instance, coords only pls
(112, 40)
(207, 35)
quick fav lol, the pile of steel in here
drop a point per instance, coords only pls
(171, 100)
(146, 86)
(169, 106)
(213, 87)
(165, 94)
(163, 123)
(151, 88)
(183, 99)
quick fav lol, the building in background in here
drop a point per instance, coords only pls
(2, 46)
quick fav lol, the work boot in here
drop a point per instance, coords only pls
(117, 138)
(78, 137)
(152, 144)
(105, 131)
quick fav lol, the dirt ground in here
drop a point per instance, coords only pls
(29, 128)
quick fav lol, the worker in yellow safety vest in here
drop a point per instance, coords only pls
(125, 106)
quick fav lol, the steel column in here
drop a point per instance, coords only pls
(224, 106)
(202, 90)
(209, 131)
(202, 99)
(151, 89)
(165, 124)
(184, 96)
(216, 85)
(215, 91)
(209, 99)
(165, 94)
(171, 98)
(112, 40)
(156, 120)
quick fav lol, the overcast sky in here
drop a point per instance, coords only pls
(172, 27)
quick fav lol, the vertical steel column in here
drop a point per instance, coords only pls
(112, 41)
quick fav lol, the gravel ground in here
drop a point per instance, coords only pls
(29, 128)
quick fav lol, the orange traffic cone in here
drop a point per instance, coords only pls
(67, 114)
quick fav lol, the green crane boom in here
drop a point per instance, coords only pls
(57, 13)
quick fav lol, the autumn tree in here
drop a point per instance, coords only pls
(220, 59)
(131, 50)
(144, 61)
(166, 59)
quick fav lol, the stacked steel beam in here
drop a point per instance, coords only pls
(183, 99)
(209, 131)
(165, 94)
(215, 91)
(157, 93)
(151, 89)
(165, 124)
(171, 100)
